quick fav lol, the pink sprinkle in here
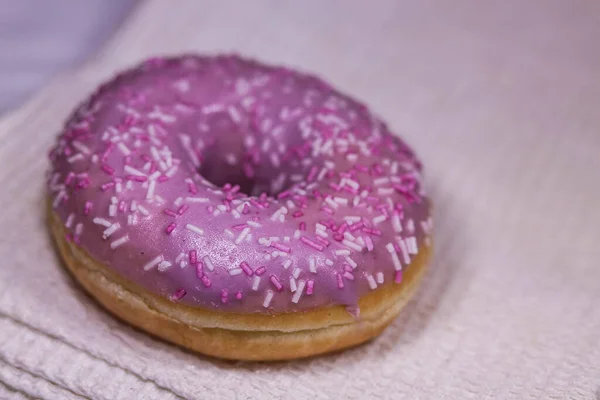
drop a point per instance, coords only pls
(302, 226)
(239, 227)
(348, 275)
(310, 284)
(182, 209)
(398, 276)
(163, 178)
(356, 226)
(206, 281)
(152, 168)
(323, 240)
(178, 295)
(193, 257)
(121, 206)
(260, 270)
(338, 237)
(238, 295)
(169, 212)
(284, 194)
(312, 244)
(281, 247)
(311, 174)
(276, 283)
(224, 296)
(246, 209)
(106, 186)
(192, 187)
(347, 268)
(108, 169)
(334, 186)
(137, 178)
(316, 193)
(170, 228)
(69, 178)
(340, 281)
(227, 187)
(327, 210)
(298, 214)
(235, 189)
(248, 170)
(246, 268)
(361, 168)
(87, 208)
(200, 271)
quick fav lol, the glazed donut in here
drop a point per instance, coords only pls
(241, 210)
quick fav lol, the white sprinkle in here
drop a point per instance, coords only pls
(341, 200)
(197, 199)
(404, 251)
(80, 146)
(371, 280)
(342, 252)
(321, 233)
(229, 233)
(150, 193)
(352, 245)
(255, 282)
(385, 191)
(254, 224)
(312, 265)
(110, 230)
(242, 235)
(297, 234)
(352, 157)
(352, 219)
(299, 292)
(124, 149)
(332, 203)
(249, 237)
(355, 201)
(296, 273)
(268, 298)
(394, 168)
(58, 198)
(118, 187)
(320, 227)
(78, 229)
(194, 229)
(222, 207)
(392, 250)
(178, 201)
(114, 200)
(129, 185)
(396, 223)
(360, 241)
(235, 271)
(349, 236)
(171, 171)
(208, 262)
(410, 225)
(352, 263)
(328, 262)
(101, 221)
(286, 263)
(379, 277)
(369, 243)
(378, 219)
(381, 181)
(154, 175)
(411, 243)
(143, 210)
(286, 239)
(164, 265)
(112, 210)
(152, 263)
(235, 214)
(94, 158)
(119, 242)
(293, 286)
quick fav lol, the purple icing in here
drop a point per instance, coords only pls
(223, 183)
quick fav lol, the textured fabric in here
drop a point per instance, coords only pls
(500, 100)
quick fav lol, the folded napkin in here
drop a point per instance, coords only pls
(500, 100)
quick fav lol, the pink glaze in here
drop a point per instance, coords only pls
(223, 183)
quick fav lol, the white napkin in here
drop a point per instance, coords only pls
(501, 101)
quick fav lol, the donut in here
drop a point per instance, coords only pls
(237, 209)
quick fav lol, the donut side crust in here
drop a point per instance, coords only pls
(255, 337)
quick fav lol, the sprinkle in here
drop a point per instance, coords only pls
(238, 295)
(199, 270)
(110, 230)
(119, 242)
(312, 265)
(74, 158)
(178, 295)
(78, 229)
(296, 273)
(246, 268)
(398, 276)
(235, 271)
(299, 291)
(293, 285)
(296, 234)
(371, 280)
(369, 243)
(276, 282)
(341, 200)
(194, 228)
(208, 262)
(392, 250)
(170, 228)
(143, 210)
(340, 282)
(163, 265)
(268, 298)
(197, 199)
(260, 270)
(379, 219)
(328, 262)
(312, 244)
(150, 193)
(342, 252)
(310, 286)
(281, 247)
(379, 277)
(152, 263)
(254, 224)
(193, 257)
(410, 225)
(169, 212)
(404, 251)
(206, 281)
(101, 221)
(255, 282)
(352, 245)
(80, 146)
(352, 263)
(242, 235)
(396, 223)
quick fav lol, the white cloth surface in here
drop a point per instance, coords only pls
(500, 99)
